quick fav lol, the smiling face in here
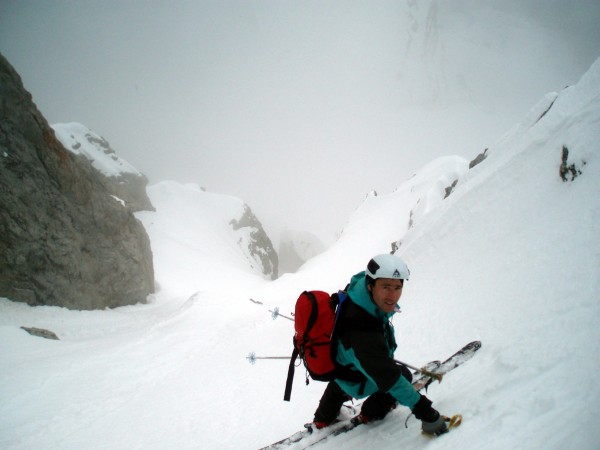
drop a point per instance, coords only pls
(386, 292)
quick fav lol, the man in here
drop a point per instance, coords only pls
(365, 344)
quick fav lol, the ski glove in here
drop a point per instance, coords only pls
(431, 420)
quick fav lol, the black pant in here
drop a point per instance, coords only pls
(375, 407)
(331, 402)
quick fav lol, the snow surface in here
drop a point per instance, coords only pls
(511, 258)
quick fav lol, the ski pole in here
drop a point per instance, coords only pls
(276, 313)
(423, 371)
(436, 376)
(252, 357)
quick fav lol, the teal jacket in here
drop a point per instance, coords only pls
(366, 344)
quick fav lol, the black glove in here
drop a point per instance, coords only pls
(431, 420)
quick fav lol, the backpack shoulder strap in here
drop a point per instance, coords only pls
(342, 296)
(290, 377)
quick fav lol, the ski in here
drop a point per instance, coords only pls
(311, 436)
(457, 359)
(286, 442)
(309, 430)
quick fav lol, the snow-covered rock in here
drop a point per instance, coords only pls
(119, 177)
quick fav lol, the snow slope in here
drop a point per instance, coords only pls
(192, 226)
(512, 258)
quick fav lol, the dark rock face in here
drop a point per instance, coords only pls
(450, 189)
(260, 246)
(565, 169)
(64, 240)
(478, 159)
(130, 188)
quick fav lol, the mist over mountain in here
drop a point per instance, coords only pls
(297, 247)
(504, 249)
(357, 92)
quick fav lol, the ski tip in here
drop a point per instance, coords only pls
(472, 346)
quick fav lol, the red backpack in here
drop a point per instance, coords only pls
(314, 323)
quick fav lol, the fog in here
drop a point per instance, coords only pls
(299, 108)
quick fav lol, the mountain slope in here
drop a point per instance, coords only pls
(517, 251)
(511, 257)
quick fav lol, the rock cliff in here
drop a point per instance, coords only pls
(64, 239)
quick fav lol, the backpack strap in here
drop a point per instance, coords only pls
(290, 377)
(339, 298)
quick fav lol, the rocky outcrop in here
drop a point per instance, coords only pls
(41, 332)
(119, 177)
(567, 170)
(64, 239)
(259, 245)
(478, 159)
(450, 189)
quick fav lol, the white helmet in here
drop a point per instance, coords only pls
(387, 266)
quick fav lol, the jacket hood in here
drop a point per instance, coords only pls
(359, 294)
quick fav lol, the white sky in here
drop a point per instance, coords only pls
(297, 107)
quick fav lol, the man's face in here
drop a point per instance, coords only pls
(386, 292)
